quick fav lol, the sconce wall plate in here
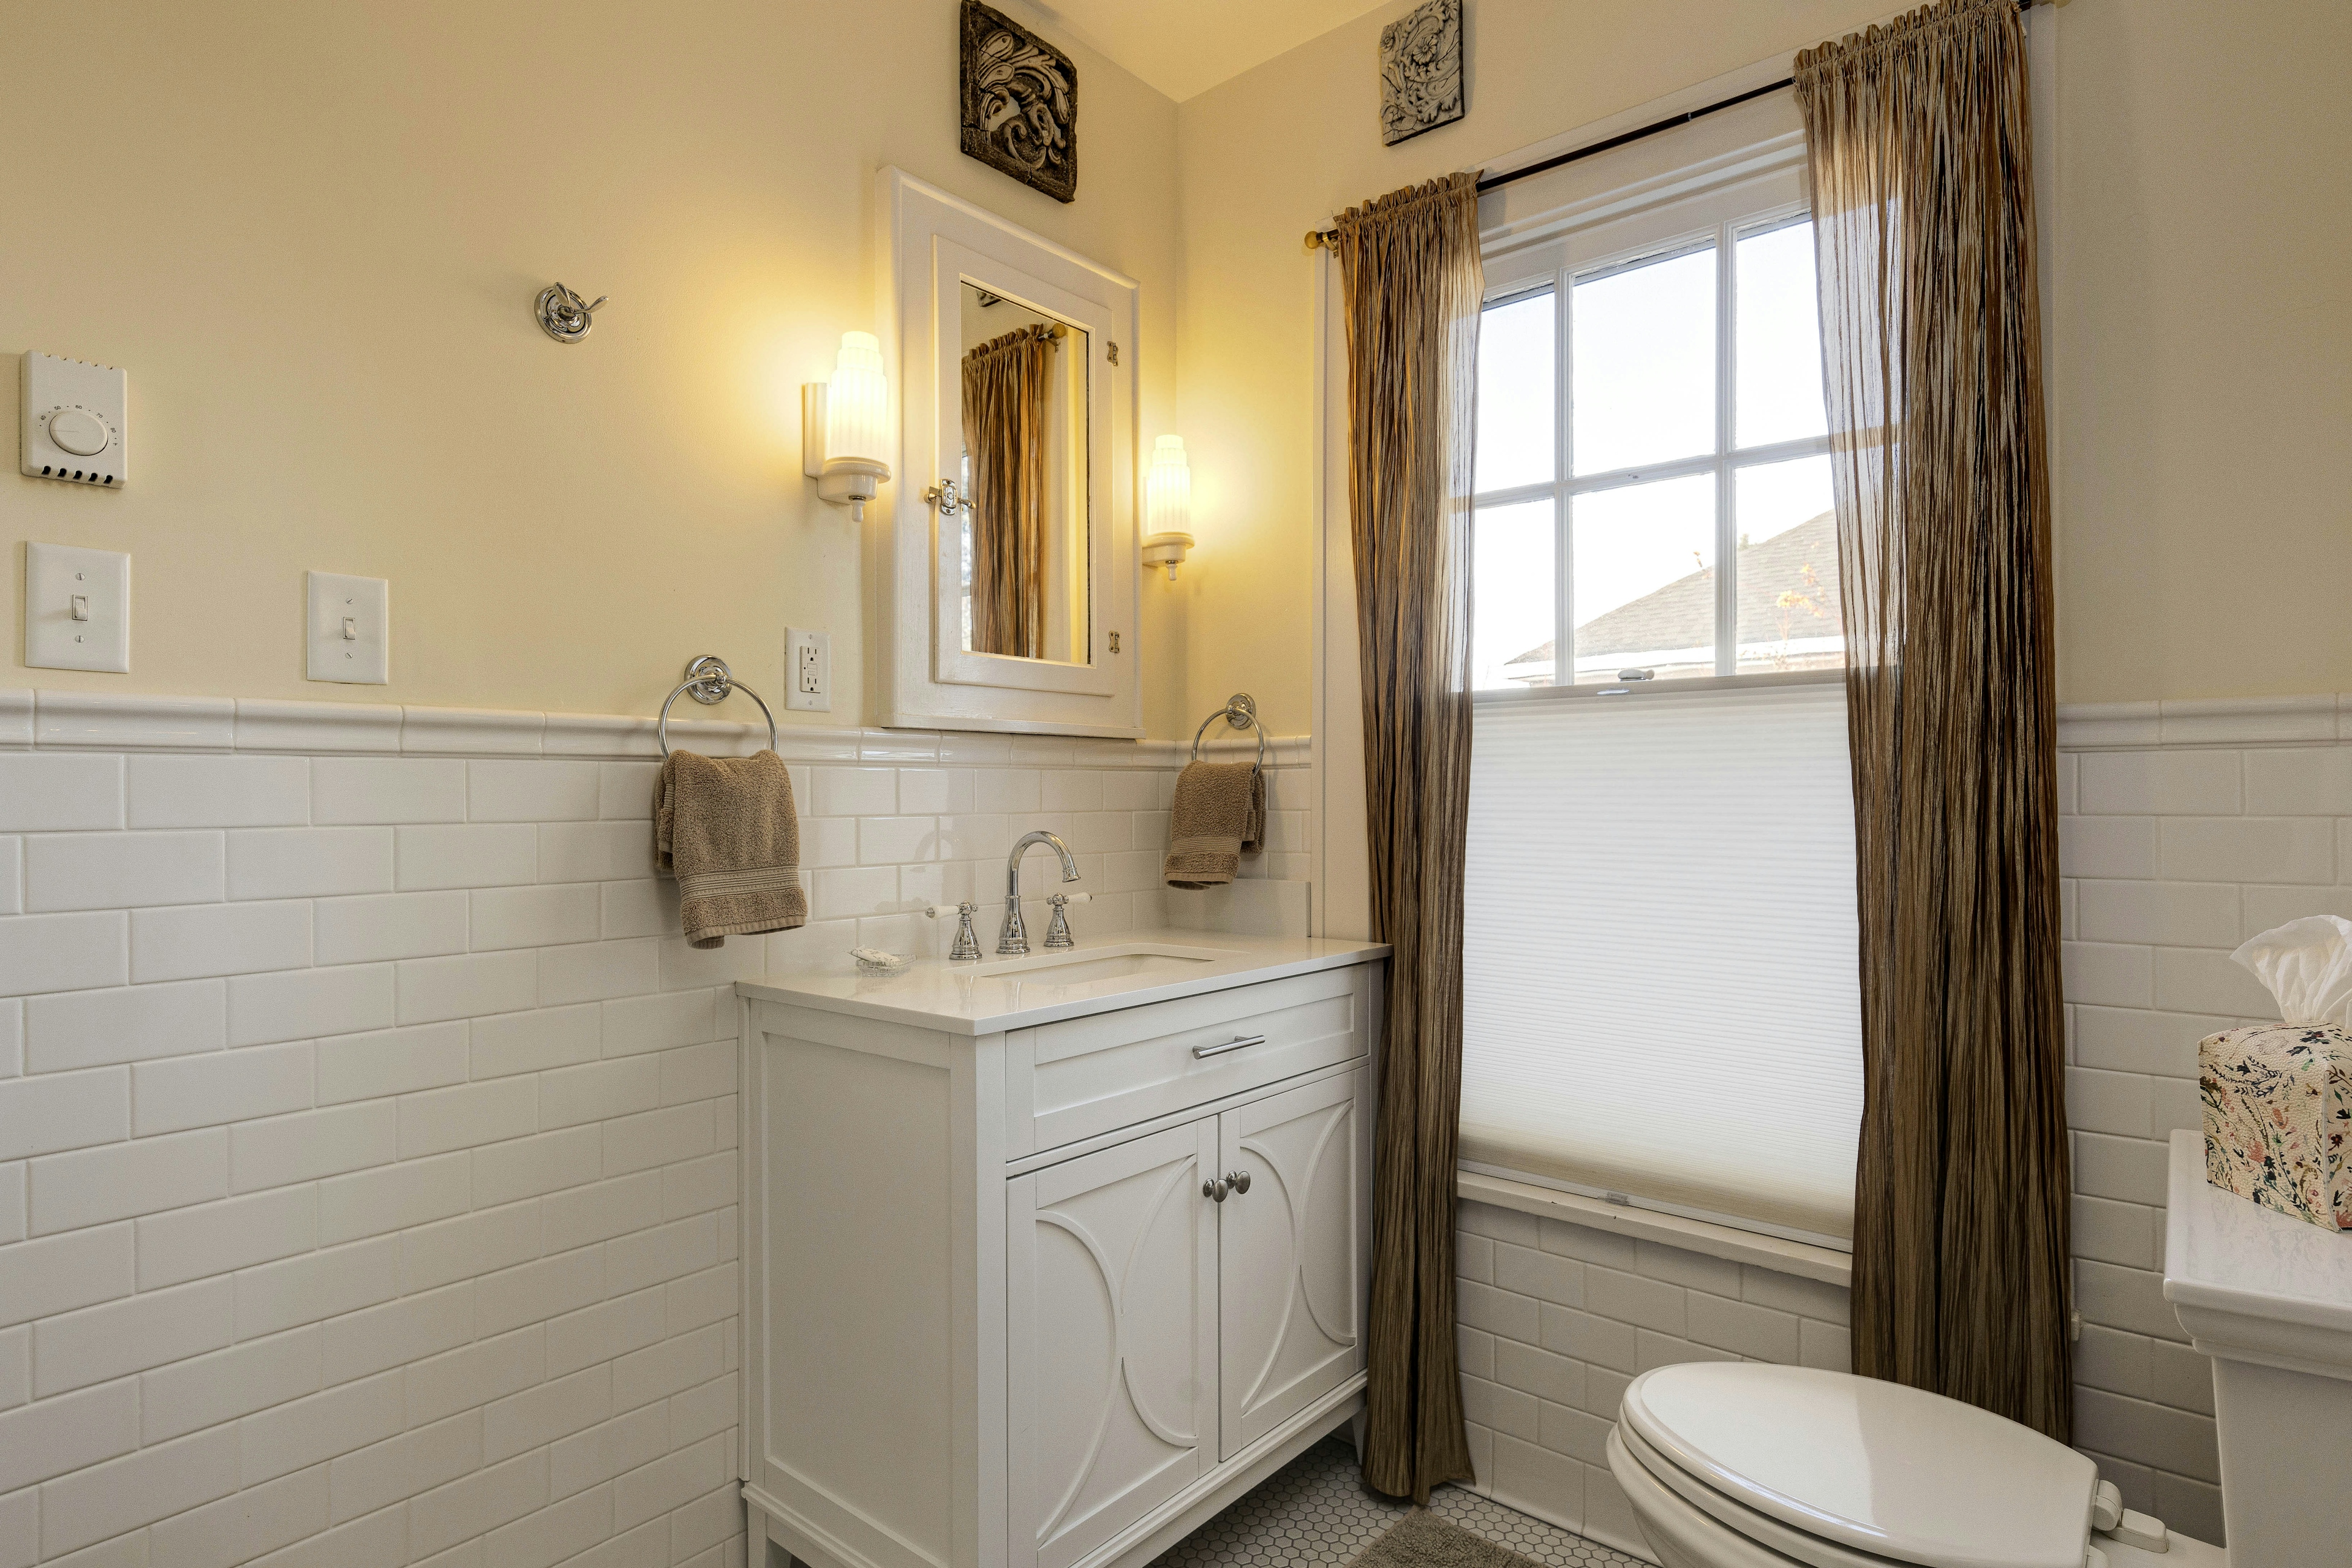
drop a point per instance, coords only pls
(565, 316)
(1167, 550)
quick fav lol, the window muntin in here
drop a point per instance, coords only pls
(1688, 420)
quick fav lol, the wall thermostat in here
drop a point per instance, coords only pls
(74, 418)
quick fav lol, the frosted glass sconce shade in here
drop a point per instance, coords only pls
(1168, 491)
(857, 403)
(845, 426)
(1168, 505)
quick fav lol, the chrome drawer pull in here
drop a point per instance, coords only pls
(1229, 1046)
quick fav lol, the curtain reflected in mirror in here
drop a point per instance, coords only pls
(1024, 471)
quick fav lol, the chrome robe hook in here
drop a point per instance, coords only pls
(565, 316)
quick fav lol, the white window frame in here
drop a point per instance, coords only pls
(1718, 206)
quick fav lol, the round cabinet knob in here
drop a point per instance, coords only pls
(78, 431)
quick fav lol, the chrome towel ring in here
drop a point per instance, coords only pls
(1240, 711)
(709, 680)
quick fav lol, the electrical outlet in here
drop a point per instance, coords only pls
(808, 666)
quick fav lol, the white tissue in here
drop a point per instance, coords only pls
(2307, 964)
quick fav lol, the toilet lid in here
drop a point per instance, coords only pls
(1875, 1467)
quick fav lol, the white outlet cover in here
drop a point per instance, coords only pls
(75, 416)
(350, 629)
(56, 575)
(812, 648)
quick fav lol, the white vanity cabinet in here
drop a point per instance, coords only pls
(997, 1313)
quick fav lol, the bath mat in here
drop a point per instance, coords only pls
(1422, 1540)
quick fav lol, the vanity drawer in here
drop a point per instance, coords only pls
(1089, 1076)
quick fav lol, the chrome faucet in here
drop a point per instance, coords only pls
(1014, 938)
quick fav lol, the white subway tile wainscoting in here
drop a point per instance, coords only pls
(366, 1172)
(367, 1126)
(2184, 829)
(1557, 1318)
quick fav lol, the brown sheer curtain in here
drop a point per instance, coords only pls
(1412, 283)
(1007, 393)
(1923, 209)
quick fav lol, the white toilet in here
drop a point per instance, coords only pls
(1741, 1465)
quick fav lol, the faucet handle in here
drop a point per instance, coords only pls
(1057, 930)
(967, 941)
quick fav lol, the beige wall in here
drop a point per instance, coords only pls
(2202, 396)
(312, 234)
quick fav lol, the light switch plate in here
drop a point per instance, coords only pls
(77, 608)
(350, 628)
(75, 416)
(808, 670)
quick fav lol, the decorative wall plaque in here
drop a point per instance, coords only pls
(1020, 102)
(1421, 71)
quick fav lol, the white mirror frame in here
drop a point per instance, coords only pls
(930, 244)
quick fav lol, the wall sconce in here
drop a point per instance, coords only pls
(845, 426)
(1167, 503)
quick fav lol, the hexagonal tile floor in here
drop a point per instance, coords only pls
(1318, 1509)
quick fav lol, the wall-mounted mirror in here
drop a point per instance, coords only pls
(1009, 593)
(1021, 533)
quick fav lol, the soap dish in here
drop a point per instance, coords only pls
(874, 961)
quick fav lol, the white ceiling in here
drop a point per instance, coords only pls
(1186, 47)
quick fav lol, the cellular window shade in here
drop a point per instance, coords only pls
(1660, 993)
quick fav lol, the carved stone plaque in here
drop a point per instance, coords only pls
(1421, 71)
(1020, 102)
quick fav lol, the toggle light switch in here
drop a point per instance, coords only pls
(350, 629)
(77, 608)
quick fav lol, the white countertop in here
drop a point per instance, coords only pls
(2250, 1283)
(959, 999)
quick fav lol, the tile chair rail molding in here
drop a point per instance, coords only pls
(367, 1128)
(41, 720)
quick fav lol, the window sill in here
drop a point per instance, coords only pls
(1722, 1241)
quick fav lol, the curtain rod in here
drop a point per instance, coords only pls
(1319, 236)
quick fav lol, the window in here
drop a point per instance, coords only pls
(1660, 993)
(1653, 469)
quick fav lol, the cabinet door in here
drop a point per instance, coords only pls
(1111, 1285)
(1292, 1251)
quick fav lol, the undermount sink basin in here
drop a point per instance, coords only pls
(1148, 962)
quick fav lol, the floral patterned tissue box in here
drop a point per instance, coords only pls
(2278, 1104)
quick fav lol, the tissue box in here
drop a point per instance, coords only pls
(2278, 1103)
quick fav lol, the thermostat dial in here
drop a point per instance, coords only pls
(78, 431)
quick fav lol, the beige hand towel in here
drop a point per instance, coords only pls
(1219, 814)
(724, 827)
